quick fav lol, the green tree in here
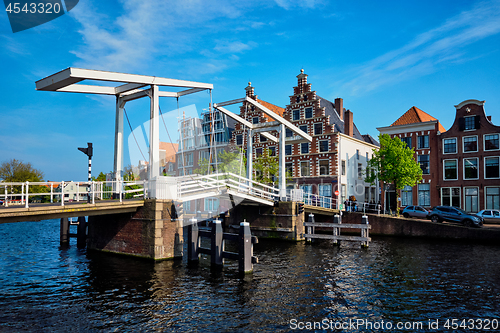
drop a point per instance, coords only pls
(394, 163)
(100, 178)
(266, 167)
(233, 162)
(15, 171)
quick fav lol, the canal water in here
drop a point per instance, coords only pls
(398, 285)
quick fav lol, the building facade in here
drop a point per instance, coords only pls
(421, 132)
(315, 167)
(469, 168)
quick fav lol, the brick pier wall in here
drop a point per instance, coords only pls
(384, 225)
(148, 233)
(280, 222)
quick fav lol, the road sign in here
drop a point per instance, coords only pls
(337, 193)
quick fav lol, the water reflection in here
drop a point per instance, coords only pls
(47, 288)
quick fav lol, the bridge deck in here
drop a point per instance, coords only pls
(38, 212)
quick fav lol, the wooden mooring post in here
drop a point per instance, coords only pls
(337, 226)
(217, 250)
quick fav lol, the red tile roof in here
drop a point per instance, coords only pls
(415, 115)
(276, 109)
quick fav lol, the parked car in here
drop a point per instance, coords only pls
(415, 211)
(490, 215)
(454, 214)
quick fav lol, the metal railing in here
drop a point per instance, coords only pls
(24, 193)
(311, 199)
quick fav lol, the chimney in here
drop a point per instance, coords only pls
(348, 124)
(250, 90)
(339, 107)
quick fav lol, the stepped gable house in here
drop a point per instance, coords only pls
(470, 160)
(337, 156)
(419, 131)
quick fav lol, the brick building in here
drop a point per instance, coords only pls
(469, 160)
(337, 154)
(421, 132)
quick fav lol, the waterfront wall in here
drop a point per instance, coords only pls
(385, 225)
(148, 233)
(282, 222)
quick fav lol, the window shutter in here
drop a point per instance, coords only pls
(477, 122)
(461, 124)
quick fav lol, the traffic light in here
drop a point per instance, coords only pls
(87, 151)
(300, 207)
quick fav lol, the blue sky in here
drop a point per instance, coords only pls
(382, 58)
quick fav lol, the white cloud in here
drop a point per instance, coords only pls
(438, 47)
(233, 46)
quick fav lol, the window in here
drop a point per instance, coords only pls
(318, 129)
(258, 152)
(262, 138)
(272, 151)
(450, 170)
(471, 199)
(304, 148)
(424, 194)
(255, 120)
(491, 142)
(491, 167)
(296, 114)
(343, 167)
(239, 139)
(492, 197)
(360, 171)
(309, 112)
(289, 168)
(288, 133)
(305, 98)
(407, 140)
(407, 196)
(288, 150)
(343, 193)
(304, 168)
(357, 154)
(423, 160)
(470, 168)
(450, 146)
(367, 159)
(323, 146)
(470, 143)
(303, 128)
(297, 100)
(423, 141)
(450, 196)
(325, 190)
(189, 159)
(324, 167)
(211, 204)
(470, 123)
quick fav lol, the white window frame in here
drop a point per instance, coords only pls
(427, 191)
(463, 144)
(308, 148)
(312, 113)
(307, 128)
(319, 167)
(463, 167)
(484, 161)
(472, 129)
(308, 168)
(484, 141)
(451, 195)
(456, 146)
(428, 141)
(444, 169)
(464, 193)
(314, 128)
(293, 114)
(486, 197)
(327, 146)
(291, 150)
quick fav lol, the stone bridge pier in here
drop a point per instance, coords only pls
(152, 232)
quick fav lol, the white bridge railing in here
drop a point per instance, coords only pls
(22, 194)
(311, 199)
(221, 182)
